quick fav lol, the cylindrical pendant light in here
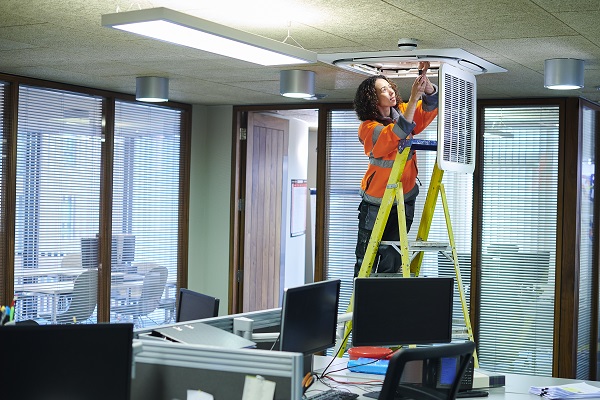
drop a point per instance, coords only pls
(151, 88)
(297, 83)
(563, 73)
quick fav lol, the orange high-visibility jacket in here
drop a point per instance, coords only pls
(381, 146)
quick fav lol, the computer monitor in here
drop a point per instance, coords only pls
(309, 318)
(67, 362)
(402, 311)
(426, 372)
(193, 305)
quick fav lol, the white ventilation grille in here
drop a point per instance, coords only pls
(456, 120)
(404, 64)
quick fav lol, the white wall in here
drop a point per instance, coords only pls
(210, 188)
(310, 223)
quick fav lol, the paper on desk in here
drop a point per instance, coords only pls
(258, 388)
(198, 395)
(579, 390)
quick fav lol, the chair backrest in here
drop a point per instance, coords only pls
(193, 305)
(153, 287)
(441, 366)
(84, 298)
(72, 260)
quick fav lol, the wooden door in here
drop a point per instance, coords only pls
(266, 157)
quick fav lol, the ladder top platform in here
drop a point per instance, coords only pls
(419, 144)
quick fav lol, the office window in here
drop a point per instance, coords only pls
(346, 165)
(586, 265)
(4, 122)
(58, 180)
(145, 212)
(518, 216)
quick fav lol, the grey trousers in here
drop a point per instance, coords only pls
(387, 259)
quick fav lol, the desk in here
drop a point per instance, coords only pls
(517, 386)
(45, 272)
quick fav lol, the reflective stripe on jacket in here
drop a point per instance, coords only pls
(381, 146)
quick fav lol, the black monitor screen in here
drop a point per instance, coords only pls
(309, 317)
(193, 305)
(67, 362)
(398, 311)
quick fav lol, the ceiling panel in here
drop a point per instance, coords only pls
(63, 40)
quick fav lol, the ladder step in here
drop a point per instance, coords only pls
(420, 245)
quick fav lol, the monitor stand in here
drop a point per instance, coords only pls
(307, 364)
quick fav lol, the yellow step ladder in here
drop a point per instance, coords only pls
(412, 253)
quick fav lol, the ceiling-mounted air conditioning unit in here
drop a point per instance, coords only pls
(456, 70)
(404, 64)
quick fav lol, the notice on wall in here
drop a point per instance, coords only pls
(298, 207)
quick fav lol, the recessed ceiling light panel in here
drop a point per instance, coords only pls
(186, 30)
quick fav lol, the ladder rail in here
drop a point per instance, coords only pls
(427, 216)
(459, 284)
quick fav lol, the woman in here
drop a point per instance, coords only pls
(386, 121)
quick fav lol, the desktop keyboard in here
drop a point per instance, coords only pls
(333, 394)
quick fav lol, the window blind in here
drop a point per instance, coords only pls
(586, 266)
(4, 121)
(145, 212)
(57, 195)
(346, 165)
(519, 192)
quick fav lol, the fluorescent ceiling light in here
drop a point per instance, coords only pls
(186, 30)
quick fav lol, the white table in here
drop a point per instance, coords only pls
(517, 385)
(46, 272)
(51, 289)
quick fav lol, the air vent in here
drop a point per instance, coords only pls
(456, 119)
(400, 64)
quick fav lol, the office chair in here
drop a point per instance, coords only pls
(193, 305)
(69, 264)
(443, 367)
(153, 286)
(82, 301)
(72, 260)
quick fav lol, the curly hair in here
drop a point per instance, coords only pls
(365, 100)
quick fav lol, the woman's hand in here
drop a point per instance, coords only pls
(418, 87)
(423, 67)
